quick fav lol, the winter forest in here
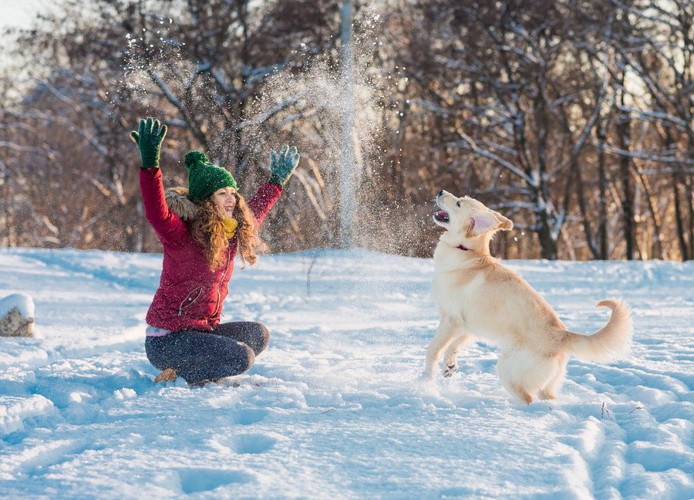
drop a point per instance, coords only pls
(573, 118)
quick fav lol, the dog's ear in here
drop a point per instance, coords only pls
(485, 221)
(504, 223)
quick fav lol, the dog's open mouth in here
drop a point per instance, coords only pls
(441, 216)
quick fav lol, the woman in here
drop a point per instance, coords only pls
(202, 228)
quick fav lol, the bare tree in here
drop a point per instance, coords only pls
(658, 45)
(574, 118)
(197, 64)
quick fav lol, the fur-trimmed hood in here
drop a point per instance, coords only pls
(178, 202)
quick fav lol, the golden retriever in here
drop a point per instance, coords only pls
(477, 297)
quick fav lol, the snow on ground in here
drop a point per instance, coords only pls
(335, 408)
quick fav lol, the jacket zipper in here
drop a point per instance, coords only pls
(189, 299)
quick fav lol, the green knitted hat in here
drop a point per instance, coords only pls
(204, 177)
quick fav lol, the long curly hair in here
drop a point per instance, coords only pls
(207, 228)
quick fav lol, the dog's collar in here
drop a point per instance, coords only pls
(463, 247)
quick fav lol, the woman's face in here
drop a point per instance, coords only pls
(225, 200)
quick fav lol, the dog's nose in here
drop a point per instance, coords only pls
(440, 193)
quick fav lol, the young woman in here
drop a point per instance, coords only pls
(202, 229)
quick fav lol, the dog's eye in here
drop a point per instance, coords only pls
(458, 203)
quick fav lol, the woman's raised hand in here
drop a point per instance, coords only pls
(149, 136)
(282, 165)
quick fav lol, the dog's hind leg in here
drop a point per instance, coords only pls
(550, 390)
(442, 338)
(523, 372)
(450, 358)
(507, 370)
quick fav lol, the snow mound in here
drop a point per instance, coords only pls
(22, 302)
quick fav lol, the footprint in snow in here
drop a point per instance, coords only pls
(199, 480)
(251, 416)
(252, 443)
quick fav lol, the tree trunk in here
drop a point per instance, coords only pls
(624, 138)
(581, 198)
(656, 247)
(548, 244)
(602, 194)
(689, 196)
(679, 220)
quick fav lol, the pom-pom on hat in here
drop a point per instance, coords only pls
(204, 177)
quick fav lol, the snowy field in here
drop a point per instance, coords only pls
(335, 408)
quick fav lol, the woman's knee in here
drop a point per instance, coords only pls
(254, 334)
(246, 359)
(236, 359)
(229, 361)
(264, 338)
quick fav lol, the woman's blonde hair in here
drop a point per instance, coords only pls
(208, 229)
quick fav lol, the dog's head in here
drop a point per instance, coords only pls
(468, 222)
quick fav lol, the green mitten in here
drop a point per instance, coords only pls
(282, 165)
(149, 136)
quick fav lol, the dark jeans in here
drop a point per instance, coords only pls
(200, 356)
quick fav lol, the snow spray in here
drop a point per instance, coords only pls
(344, 109)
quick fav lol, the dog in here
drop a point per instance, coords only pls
(477, 297)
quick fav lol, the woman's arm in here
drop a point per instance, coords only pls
(264, 200)
(282, 166)
(168, 226)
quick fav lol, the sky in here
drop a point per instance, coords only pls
(18, 13)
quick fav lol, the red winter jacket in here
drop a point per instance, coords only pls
(190, 295)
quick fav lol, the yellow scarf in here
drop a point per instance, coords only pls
(230, 225)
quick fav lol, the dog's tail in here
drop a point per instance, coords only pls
(610, 342)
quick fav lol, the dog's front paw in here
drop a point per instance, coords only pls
(450, 370)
